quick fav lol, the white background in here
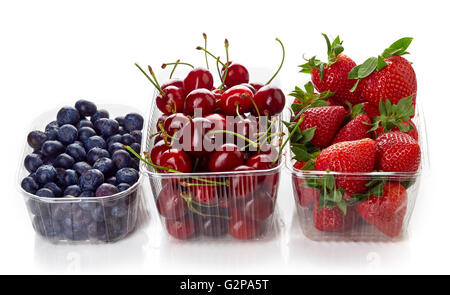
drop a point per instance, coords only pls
(54, 52)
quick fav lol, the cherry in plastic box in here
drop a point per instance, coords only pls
(82, 219)
(352, 227)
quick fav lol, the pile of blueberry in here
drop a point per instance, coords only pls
(81, 154)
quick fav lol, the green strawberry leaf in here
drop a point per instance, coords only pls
(300, 154)
(367, 67)
(381, 63)
(399, 47)
(343, 206)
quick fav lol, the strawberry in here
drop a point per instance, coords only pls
(388, 76)
(306, 195)
(386, 212)
(333, 219)
(349, 156)
(333, 76)
(326, 120)
(357, 128)
(397, 152)
(408, 124)
(370, 110)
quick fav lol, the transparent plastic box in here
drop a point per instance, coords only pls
(78, 219)
(354, 227)
(253, 198)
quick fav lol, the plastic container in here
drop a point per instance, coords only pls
(354, 227)
(77, 219)
(245, 211)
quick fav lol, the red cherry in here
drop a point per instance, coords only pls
(259, 207)
(201, 101)
(171, 204)
(160, 121)
(247, 128)
(257, 86)
(219, 121)
(249, 87)
(241, 227)
(194, 138)
(173, 82)
(236, 74)
(268, 149)
(236, 95)
(175, 122)
(243, 185)
(157, 138)
(181, 229)
(158, 149)
(198, 78)
(175, 159)
(172, 101)
(208, 194)
(270, 100)
(225, 158)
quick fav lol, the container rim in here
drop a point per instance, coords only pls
(72, 199)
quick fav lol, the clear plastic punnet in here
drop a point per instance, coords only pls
(82, 219)
(360, 223)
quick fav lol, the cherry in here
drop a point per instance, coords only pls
(236, 74)
(270, 100)
(262, 162)
(225, 158)
(207, 194)
(219, 121)
(198, 78)
(171, 204)
(268, 149)
(243, 185)
(157, 138)
(194, 139)
(175, 122)
(249, 87)
(158, 149)
(160, 122)
(172, 101)
(236, 99)
(259, 207)
(200, 100)
(173, 82)
(181, 229)
(256, 86)
(175, 159)
(247, 127)
(214, 226)
(241, 227)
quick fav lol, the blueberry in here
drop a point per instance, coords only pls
(91, 180)
(52, 134)
(107, 127)
(127, 175)
(33, 175)
(51, 125)
(64, 161)
(133, 121)
(45, 193)
(32, 162)
(122, 130)
(85, 123)
(80, 143)
(136, 147)
(38, 207)
(50, 160)
(84, 133)
(69, 178)
(137, 134)
(106, 189)
(120, 120)
(99, 114)
(123, 186)
(98, 214)
(119, 211)
(121, 159)
(61, 210)
(105, 165)
(81, 167)
(82, 217)
(72, 190)
(52, 148)
(76, 151)
(29, 185)
(127, 139)
(85, 107)
(87, 194)
(67, 134)
(95, 141)
(96, 153)
(59, 175)
(36, 138)
(113, 139)
(45, 174)
(57, 191)
(46, 227)
(68, 115)
(135, 163)
(111, 180)
(115, 147)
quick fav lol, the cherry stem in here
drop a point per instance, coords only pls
(189, 202)
(281, 65)
(173, 69)
(218, 71)
(178, 62)
(206, 55)
(237, 112)
(255, 144)
(156, 80)
(212, 55)
(254, 104)
(150, 79)
(287, 139)
(226, 67)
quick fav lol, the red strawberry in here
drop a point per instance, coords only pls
(387, 212)
(356, 129)
(327, 121)
(388, 76)
(370, 110)
(397, 152)
(349, 156)
(333, 76)
(306, 195)
(333, 219)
